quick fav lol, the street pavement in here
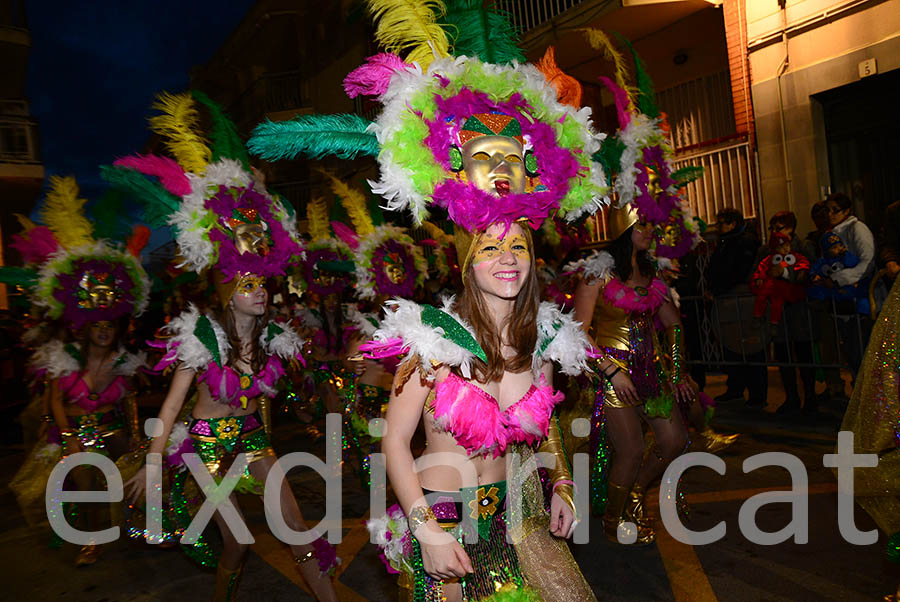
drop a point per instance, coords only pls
(732, 569)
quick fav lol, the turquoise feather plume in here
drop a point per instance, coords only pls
(226, 142)
(316, 136)
(487, 33)
(158, 203)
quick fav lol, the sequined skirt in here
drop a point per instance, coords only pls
(93, 429)
(218, 441)
(476, 516)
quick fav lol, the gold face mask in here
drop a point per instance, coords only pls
(671, 235)
(97, 293)
(495, 164)
(251, 238)
(248, 284)
(653, 183)
(394, 270)
(489, 247)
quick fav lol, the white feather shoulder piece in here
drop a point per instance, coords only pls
(431, 343)
(55, 359)
(129, 363)
(561, 340)
(281, 340)
(192, 352)
(596, 266)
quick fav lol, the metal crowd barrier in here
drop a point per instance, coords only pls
(730, 335)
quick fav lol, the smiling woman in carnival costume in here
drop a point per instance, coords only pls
(92, 288)
(499, 154)
(226, 222)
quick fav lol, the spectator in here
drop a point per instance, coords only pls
(858, 240)
(730, 267)
(792, 337)
(819, 214)
(889, 241)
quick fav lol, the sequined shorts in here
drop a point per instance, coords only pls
(218, 441)
(477, 517)
(93, 429)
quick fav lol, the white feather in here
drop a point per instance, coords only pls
(53, 357)
(130, 363)
(176, 438)
(568, 345)
(403, 319)
(596, 266)
(191, 350)
(287, 344)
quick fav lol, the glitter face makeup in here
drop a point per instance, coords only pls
(501, 265)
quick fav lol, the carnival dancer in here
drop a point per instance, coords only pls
(873, 417)
(491, 145)
(93, 288)
(225, 222)
(621, 302)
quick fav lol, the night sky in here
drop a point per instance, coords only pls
(95, 67)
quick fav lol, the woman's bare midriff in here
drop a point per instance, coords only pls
(76, 410)
(454, 468)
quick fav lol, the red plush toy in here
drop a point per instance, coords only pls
(780, 278)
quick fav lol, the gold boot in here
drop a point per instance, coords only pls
(227, 581)
(87, 555)
(714, 442)
(615, 526)
(634, 508)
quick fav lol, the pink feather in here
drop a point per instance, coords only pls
(346, 234)
(373, 78)
(170, 174)
(621, 100)
(36, 245)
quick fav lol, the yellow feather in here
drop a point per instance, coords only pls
(354, 203)
(317, 216)
(436, 233)
(410, 26)
(63, 213)
(26, 223)
(178, 124)
(601, 42)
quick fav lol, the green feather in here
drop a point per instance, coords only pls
(610, 156)
(646, 95)
(474, 30)
(226, 142)
(204, 331)
(344, 267)
(659, 407)
(520, 594)
(453, 330)
(18, 276)
(315, 136)
(110, 216)
(158, 203)
(687, 174)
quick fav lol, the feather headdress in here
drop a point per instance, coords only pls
(222, 216)
(72, 276)
(429, 96)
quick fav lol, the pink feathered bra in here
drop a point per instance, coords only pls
(474, 418)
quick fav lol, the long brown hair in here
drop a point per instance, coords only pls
(258, 357)
(520, 324)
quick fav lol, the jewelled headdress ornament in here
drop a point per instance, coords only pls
(434, 102)
(222, 216)
(71, 275)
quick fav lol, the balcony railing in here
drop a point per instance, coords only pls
(18, 140)
(728, 180)
(528, 14)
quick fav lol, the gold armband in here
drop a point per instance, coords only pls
(675, 355)
(560, 473)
